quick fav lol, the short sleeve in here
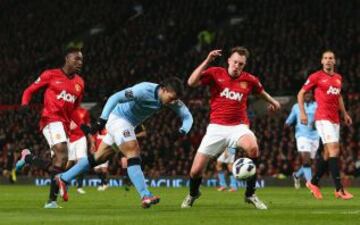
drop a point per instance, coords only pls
(207, 76)
(310, 83)
(258, 88)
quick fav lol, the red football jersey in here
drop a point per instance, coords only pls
(228, 103)
(327, 92)
(61, 97)
(78, 117)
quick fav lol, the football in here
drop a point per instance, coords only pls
(243, 168)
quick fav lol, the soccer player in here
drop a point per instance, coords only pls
(226, 158)
(124, 111)
(64, 90)
(307, 138)
(78, 145)
(327, 84)
(229, 123)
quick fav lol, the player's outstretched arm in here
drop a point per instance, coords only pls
(194, 79)
(300, 99)
(126, 95)
(42, 81)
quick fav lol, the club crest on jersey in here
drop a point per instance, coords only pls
(243, 84)
(231, 94)
(333, 91)
(77, 87)
(66, 97)
(126, 133)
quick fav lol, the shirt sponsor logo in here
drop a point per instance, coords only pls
(333, 91)
(231, 95)
(66, 97)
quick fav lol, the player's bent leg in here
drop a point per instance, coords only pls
(83, 165)
(199, 165)
(249, 144)
(221, 176)
(131, 150)
(60, 158)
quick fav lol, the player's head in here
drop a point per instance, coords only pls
(73, 60)
(171, 89)
(237, 60)
(328, 60)
(308, 96)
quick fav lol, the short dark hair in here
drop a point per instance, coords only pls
(70, 50)
(328, 51)
(240, 50)
(175, 84)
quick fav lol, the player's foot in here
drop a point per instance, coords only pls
(253, 199)
(62, 188)
(296, 181)
(103, 187)
(221, 188)
(21, 162)
(232, 190)
(315, 190)
(189, 200)
(81, 191)
(343, 194)
(147, 201)
(52, 205)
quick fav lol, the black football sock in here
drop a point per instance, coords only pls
(54, 188)
(251, 182)
(321, 168)
(80, 180)
(194, 186)
(40, 163)
(102, 178)
(106, 179)
(126, 178)
(335, 172)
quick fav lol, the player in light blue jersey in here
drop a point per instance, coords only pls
(307, 138)
(122, 112)
(226, 158)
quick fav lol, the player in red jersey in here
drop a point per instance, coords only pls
(327, 84)
(78, 145)
(229, 124)
(64, 90)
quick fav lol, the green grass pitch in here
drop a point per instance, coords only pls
(23, 205)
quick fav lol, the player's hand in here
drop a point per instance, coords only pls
(213, 55)
(99, 126)
(347, 119)
(303, 119)
(275, 106)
